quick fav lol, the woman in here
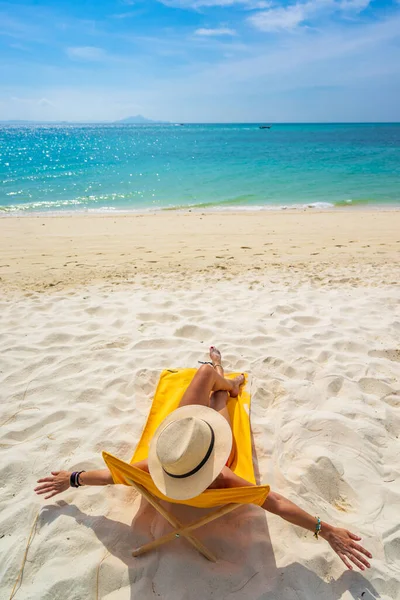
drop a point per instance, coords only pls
(190, 453)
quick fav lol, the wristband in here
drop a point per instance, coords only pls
(318, 527)
(74, 479)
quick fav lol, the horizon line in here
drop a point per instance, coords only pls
(155, 122)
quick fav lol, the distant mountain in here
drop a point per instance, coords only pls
(138, 119)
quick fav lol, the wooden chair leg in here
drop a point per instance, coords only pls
(174, 522)
(184, 530)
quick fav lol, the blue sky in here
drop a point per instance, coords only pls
(200, 60)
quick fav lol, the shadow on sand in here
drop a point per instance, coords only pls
(246, 566)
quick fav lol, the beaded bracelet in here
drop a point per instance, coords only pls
(318, 527)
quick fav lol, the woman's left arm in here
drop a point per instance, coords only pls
(342, 541)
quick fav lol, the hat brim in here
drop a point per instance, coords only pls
(194, 485)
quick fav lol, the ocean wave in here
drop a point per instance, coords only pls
(45, 205)
(228, 205)
(39, 205)
(109, 203)
(238, 200)
(354, 202)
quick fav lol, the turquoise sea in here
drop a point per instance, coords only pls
(116, 167)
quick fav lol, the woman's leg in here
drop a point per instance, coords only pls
(208, 380)
(219, 399)
(210, 388)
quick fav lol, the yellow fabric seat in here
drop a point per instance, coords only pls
(170, 389)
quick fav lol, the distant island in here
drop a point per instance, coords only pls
(139, 119)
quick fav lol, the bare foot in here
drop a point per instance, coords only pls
(215, 356)
(237, 384)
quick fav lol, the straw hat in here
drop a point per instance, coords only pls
(189, 450)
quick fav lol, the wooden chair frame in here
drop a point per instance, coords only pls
(180, 529)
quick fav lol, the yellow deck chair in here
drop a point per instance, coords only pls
(170, 389)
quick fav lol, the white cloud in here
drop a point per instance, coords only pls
(124, 15)
(353, 5)
(18, 29)
(45, 102)
(87, 53)
(195, 4)
(291, 16)
(345, 5)
(215, 32)
(276, 19)
(18, 46)
(38, 101)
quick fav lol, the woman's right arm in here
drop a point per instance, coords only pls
(59, 481)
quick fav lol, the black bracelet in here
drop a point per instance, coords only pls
(74, 479)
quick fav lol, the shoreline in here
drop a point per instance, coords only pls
(321, 247)
(111, 211)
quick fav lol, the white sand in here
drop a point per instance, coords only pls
(325, 247)
(81, 366)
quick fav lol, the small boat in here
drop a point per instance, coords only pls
(265, 126)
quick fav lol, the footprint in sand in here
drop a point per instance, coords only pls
(325, 477)
(377, 387)
(118, 343)
(335, 386)
(193, 332)
(306, 320)
(390, 354)
(392, 399)
(324, 356)
(392, 546)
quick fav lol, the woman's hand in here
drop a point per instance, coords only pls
(344, 544)
(55, 484)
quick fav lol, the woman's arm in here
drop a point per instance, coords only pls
(59, 481)
(342, 541)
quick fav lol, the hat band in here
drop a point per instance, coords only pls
(202, 463)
